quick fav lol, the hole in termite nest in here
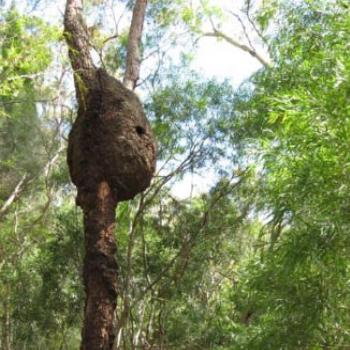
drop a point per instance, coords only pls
(140, 130)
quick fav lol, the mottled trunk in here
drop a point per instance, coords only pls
(100, 270)
(111, 157)
(133, 58)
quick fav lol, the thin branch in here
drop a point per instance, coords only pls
(244, 28)
(251, 21)
(122, 15)
(115, 36)
(25, 182)
(133, 58)
(219, 34)
(50, 163)
(189, 244)
(14, 195)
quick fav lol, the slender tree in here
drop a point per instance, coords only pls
(111, 157)
(133, 59)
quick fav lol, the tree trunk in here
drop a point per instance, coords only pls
(100, 270)
(133, 58)
(111, 158)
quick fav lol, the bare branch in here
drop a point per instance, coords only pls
(133, 58)
(18, 189)
(219, 34)
(110, 38)
(251, 21)
(244, 28)
(25, 181)
(48, 166)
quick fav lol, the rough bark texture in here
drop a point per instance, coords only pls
(111, 157)
(133, 59)
(111, 141)
(100, 270)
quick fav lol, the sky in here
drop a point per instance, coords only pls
(221, 60)
(214, 58)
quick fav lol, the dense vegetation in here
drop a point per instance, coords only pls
(257, 260)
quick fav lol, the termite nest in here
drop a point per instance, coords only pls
(111, 140)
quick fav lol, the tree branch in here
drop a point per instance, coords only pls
(218, 34)
(244, 28)
(251, 21)
(133, 58)
(77, 37)
(18, 189)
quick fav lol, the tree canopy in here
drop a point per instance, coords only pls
(254, 253)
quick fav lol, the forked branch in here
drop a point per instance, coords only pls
(219, 34)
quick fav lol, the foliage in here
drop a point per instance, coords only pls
(24, 51)
(299, 119)
(259, 259)
(24, 55)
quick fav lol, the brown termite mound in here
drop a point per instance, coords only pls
(111, 141)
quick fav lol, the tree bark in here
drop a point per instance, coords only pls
(100, 270)
(77, 37)
(133, 58)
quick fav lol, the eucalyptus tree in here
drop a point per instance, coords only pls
(111, 158)
(296, 119)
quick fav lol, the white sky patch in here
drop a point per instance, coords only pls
(217, 58)
(193, 184)
(223, 61)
